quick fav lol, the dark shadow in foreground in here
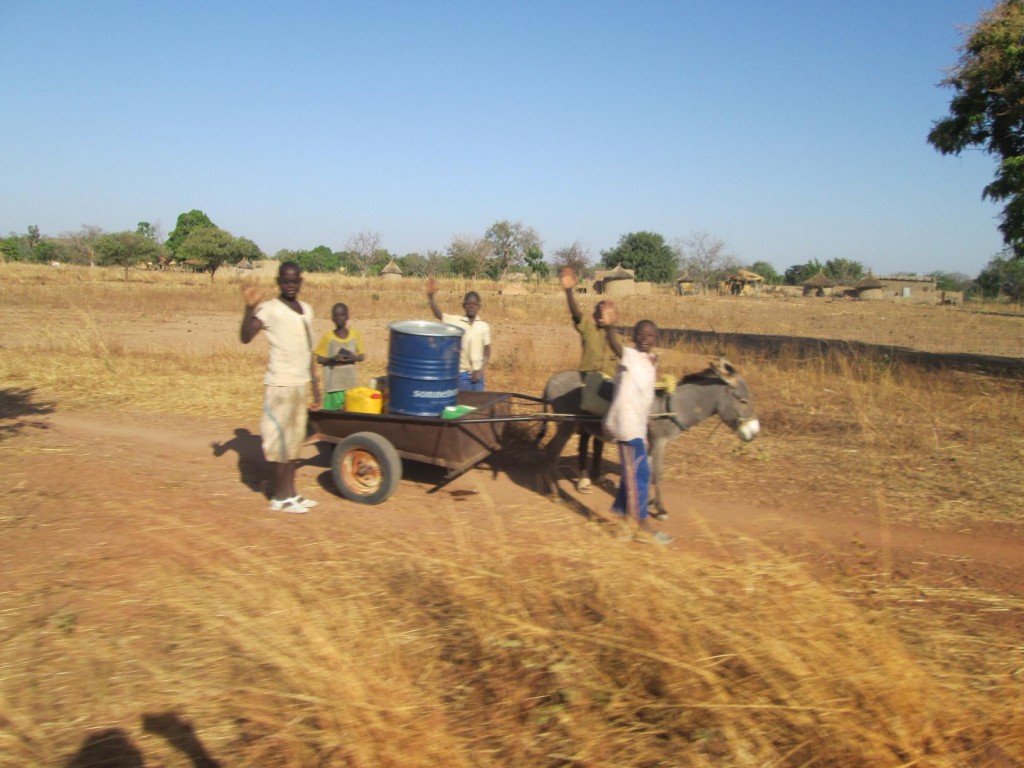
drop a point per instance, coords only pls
(18, 407)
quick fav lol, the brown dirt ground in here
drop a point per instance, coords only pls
(116, 474)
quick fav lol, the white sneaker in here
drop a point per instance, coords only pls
(583, 485)
(307, 503)
(292, 505)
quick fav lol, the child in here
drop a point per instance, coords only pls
(338, 352)
(476, 338)
(626, 423)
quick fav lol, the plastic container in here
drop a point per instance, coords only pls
(455, 411)
(423, 367)
(364, 400)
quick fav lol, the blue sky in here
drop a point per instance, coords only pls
(792, 129)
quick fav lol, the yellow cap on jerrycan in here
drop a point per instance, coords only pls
(364, 400)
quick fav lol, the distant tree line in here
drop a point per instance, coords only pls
(507, 247)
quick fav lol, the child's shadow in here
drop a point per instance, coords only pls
(253, 468)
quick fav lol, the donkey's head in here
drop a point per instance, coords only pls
(735, 404)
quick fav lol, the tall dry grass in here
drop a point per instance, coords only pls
(494, 650)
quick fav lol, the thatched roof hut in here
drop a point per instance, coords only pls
(391, 271)
(818, 285)
(869, 287)
(743, 282)
(619, 281)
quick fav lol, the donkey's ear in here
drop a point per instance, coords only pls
(725, 370)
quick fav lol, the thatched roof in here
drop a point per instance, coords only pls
(684, 278)
(867, 282)
(391, 269)
(619, 273)
(744, 276)
(819, 281)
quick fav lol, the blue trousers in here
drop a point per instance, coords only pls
(466, 383)
(631, 500)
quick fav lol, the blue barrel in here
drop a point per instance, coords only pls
(423, 367)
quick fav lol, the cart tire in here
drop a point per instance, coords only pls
(366, 468)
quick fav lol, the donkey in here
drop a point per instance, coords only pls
(718, 389)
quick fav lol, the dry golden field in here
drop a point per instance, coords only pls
(847, 590)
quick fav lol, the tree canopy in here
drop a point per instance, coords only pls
(212, 247)
(126, 249)
(705, 259)
(187, 223)
(987, 109)
(646, 253)
(511, 244)
(1003, 275)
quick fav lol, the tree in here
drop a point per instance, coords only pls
(126, 249)
(152, 231)
(187, 223)
(535, 261)
(844, 271)
(952, 281)
(469, 256)
(705, 259)
(510, 244)
(646, 253)
(211, 247)
(81, 244)
(767, 271)
(987, 109)
(574, 256)
(799, 273)
(362, 248)
(320, 259)
(1004, 276)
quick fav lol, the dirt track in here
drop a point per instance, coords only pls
(86, 488)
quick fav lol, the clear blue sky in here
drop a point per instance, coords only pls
(791, 129)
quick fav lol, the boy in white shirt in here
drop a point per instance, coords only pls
(626, 423)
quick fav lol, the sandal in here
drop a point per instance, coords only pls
(288, 505)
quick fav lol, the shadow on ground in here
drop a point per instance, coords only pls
(19, 410)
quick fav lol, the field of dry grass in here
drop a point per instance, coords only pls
(522, 640)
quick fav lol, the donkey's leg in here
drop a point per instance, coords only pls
(583, 484)
(654, 506)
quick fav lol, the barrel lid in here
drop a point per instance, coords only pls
(425, 328)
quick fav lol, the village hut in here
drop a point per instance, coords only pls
(685, 285)
(615, 282)
(744, 283)
(818, 285)
(869, 288)
(391, 271)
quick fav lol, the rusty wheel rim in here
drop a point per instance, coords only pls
(361, 472)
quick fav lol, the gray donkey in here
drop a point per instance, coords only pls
(718, 389)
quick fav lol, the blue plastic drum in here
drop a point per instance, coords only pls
(423, 367)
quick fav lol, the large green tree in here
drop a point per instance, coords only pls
(646, 253)
(126, 249)
(211, 248)
(1003, 276)
(987, 109)
(187, 224)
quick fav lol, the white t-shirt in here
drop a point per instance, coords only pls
(475, 337)
(634, 395)
(291, 342)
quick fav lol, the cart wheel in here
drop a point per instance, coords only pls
(366, 468)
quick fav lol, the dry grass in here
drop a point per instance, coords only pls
(485, 652)
(486, 648)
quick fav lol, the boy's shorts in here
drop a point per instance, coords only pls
(334, 401)
(283, 425)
